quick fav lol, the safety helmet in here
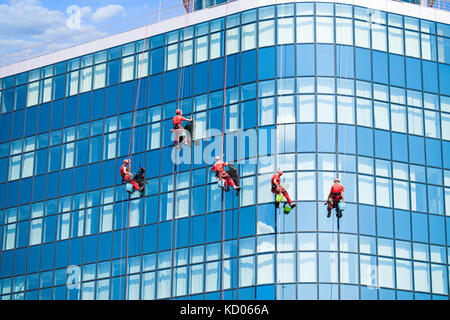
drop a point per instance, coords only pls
(126, 161)
(142, 169)
(178, 111)
(337, 180)
(217, 158)
(280, 172)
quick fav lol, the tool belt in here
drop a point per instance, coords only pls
(274, 188)
(222, 174)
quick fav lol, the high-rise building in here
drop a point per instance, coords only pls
(355, 89)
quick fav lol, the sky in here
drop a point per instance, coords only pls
(29, 28)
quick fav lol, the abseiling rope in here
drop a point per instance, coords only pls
(174, 224)
(130, 150)
(225, 48)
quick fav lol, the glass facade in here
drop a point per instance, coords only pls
(333, 88)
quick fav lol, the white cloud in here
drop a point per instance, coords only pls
(107, 12)
(27, 17)
(27, 27)
(264, 228)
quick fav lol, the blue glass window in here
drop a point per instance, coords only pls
(266, 67)
(305, 53)
(380, 67)
(325, 60)
(397, 70)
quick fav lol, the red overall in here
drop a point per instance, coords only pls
(178, 126)
(335, 194)
(178, 121)
(127, 177)
(276, 178)
(218, 167)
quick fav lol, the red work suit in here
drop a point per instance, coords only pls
(219, 168)
(178, 121)
(276, 178)
(178, 128)
(335, 195)
(127, 177)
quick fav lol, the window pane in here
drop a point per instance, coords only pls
(325, 108)
(265, 265)
(127, 68)
(33, 94)
(396, 40)
(171, 55)
(232, 41)
(28, 165)
(72, 83)
(415, 121)
(362, 34)
(247, 271)
(428, 47)
(285, 30)
(249, 36)
(412, 46)
(99, 76)
(216, 47)
(266, 35)
(325, 29)
(46, 90)
(344, 34)
(364, 112)
(378, 37)
(381, 115)
(306, 108)
(346, 110)
(305, 29)
(398, 118)
(86, 80)
(432, 128)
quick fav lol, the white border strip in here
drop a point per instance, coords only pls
(207, 14)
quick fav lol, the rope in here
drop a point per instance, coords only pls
(130, 157)
(223, 143)
(174, 223)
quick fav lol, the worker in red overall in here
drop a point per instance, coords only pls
(178, 127)
(126, 174)
(219, 169)
(277, 188)
(336, 194)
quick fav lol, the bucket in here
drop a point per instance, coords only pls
(287, 209)
(279, 198)
(221, 183)
(341, 206)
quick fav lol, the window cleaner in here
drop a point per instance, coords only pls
(141, 181)
(336, 199)
(180, 132)
(127, 176)
(280, 191)
(226, 179)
